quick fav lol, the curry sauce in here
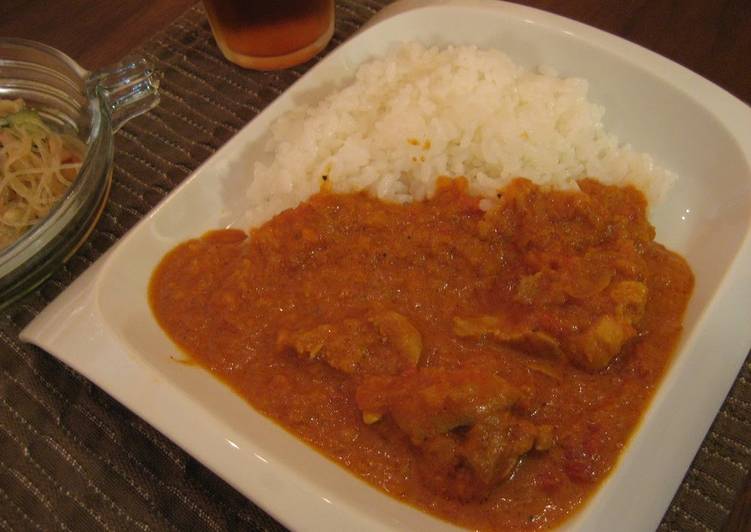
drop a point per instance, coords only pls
(486, 366)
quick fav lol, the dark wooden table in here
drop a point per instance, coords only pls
(93, 32)
(710, 37)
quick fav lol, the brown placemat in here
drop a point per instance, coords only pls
(72, 458)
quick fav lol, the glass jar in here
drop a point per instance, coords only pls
(90, 105)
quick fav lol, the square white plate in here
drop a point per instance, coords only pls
(102, 325)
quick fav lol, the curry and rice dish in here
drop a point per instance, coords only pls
(487, 367)
(481, 347)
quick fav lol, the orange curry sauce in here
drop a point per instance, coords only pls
(486, 367)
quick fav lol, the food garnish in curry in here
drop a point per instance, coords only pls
(487, 367)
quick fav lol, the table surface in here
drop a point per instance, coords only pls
(710, 37)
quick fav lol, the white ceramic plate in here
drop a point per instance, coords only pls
(102, 325)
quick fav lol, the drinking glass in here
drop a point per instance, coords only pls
(270, 34)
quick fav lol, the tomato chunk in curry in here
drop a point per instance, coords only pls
(485, 366)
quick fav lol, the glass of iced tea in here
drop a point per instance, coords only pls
(270, 34)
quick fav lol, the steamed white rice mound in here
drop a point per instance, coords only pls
(420, 113)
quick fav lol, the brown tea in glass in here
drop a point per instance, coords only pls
(270, 34)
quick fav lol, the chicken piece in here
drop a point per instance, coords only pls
(490, 453)
(341, 345)
(578, 278)
(587, 276)
(384, 343)
(596, 347)
(307, 343)
(434, 401)
(469, 468)
(493, 447)
(631, 300)
(600, 343)
(509, 333)
(462, 422)
(402, 335)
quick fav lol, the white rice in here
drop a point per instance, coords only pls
(420, 113)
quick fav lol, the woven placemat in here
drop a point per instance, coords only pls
(72, 458)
